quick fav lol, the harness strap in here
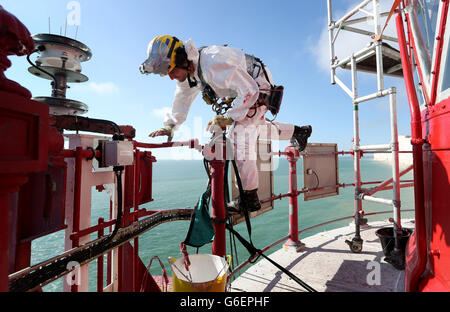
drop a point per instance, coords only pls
(254, 251)
(147, 273)
(394, 7)
(264, 70)
(206, 87)
(244, 207)
(199, 68)
(210, 96)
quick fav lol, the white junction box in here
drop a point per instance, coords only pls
(118, 153)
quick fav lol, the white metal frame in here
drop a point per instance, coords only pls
(90, 178)
(426, 74)
(444, 94)
(393, 146)
(435, 43)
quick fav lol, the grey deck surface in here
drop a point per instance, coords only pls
(327, 265)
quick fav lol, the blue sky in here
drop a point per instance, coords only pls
(289, 36)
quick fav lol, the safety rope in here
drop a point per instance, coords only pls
(232, 240)
(147, 274)
(253, 251)
(394, 7)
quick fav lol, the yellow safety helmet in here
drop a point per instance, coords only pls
(161, 55)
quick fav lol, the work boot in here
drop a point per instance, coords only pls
(301, 135)
(249, 199)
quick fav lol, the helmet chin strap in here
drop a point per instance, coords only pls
(192, 83)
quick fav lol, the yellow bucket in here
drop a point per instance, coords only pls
(207, 273)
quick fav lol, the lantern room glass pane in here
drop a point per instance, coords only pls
(424, 16)
(446, 72)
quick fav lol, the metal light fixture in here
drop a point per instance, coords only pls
(60, 60)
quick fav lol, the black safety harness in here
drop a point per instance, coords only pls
(272, 100)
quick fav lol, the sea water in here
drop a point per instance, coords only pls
(180, 183)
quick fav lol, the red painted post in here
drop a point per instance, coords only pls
(218, 207)
(135, 209)
(9, 184)
(77, 193)
(100, 261)
(77, 201)
(136, 201)
(293, 241)
(137, 172)
(109, 256)
(136, 261)
(4, 241)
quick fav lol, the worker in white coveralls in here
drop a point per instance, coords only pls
(223, 72)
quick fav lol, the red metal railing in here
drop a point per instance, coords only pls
(218, 210)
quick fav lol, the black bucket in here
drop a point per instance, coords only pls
(387, 239)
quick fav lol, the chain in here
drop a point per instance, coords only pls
(222, 107)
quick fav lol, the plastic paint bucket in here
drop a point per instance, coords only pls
(386, 236)
(207, 273)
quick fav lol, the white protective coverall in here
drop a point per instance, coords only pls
(225, 70)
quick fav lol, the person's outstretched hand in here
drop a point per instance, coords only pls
(167, 130)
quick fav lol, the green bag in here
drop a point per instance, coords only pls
(201, 230)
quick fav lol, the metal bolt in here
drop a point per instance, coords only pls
(435, 252)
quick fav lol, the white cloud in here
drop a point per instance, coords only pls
(162, 112)
(102, 88)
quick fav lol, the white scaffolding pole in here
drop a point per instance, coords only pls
(395, 162)
(356, 158)
(374, 50)
(330, 38)
(379, 53)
